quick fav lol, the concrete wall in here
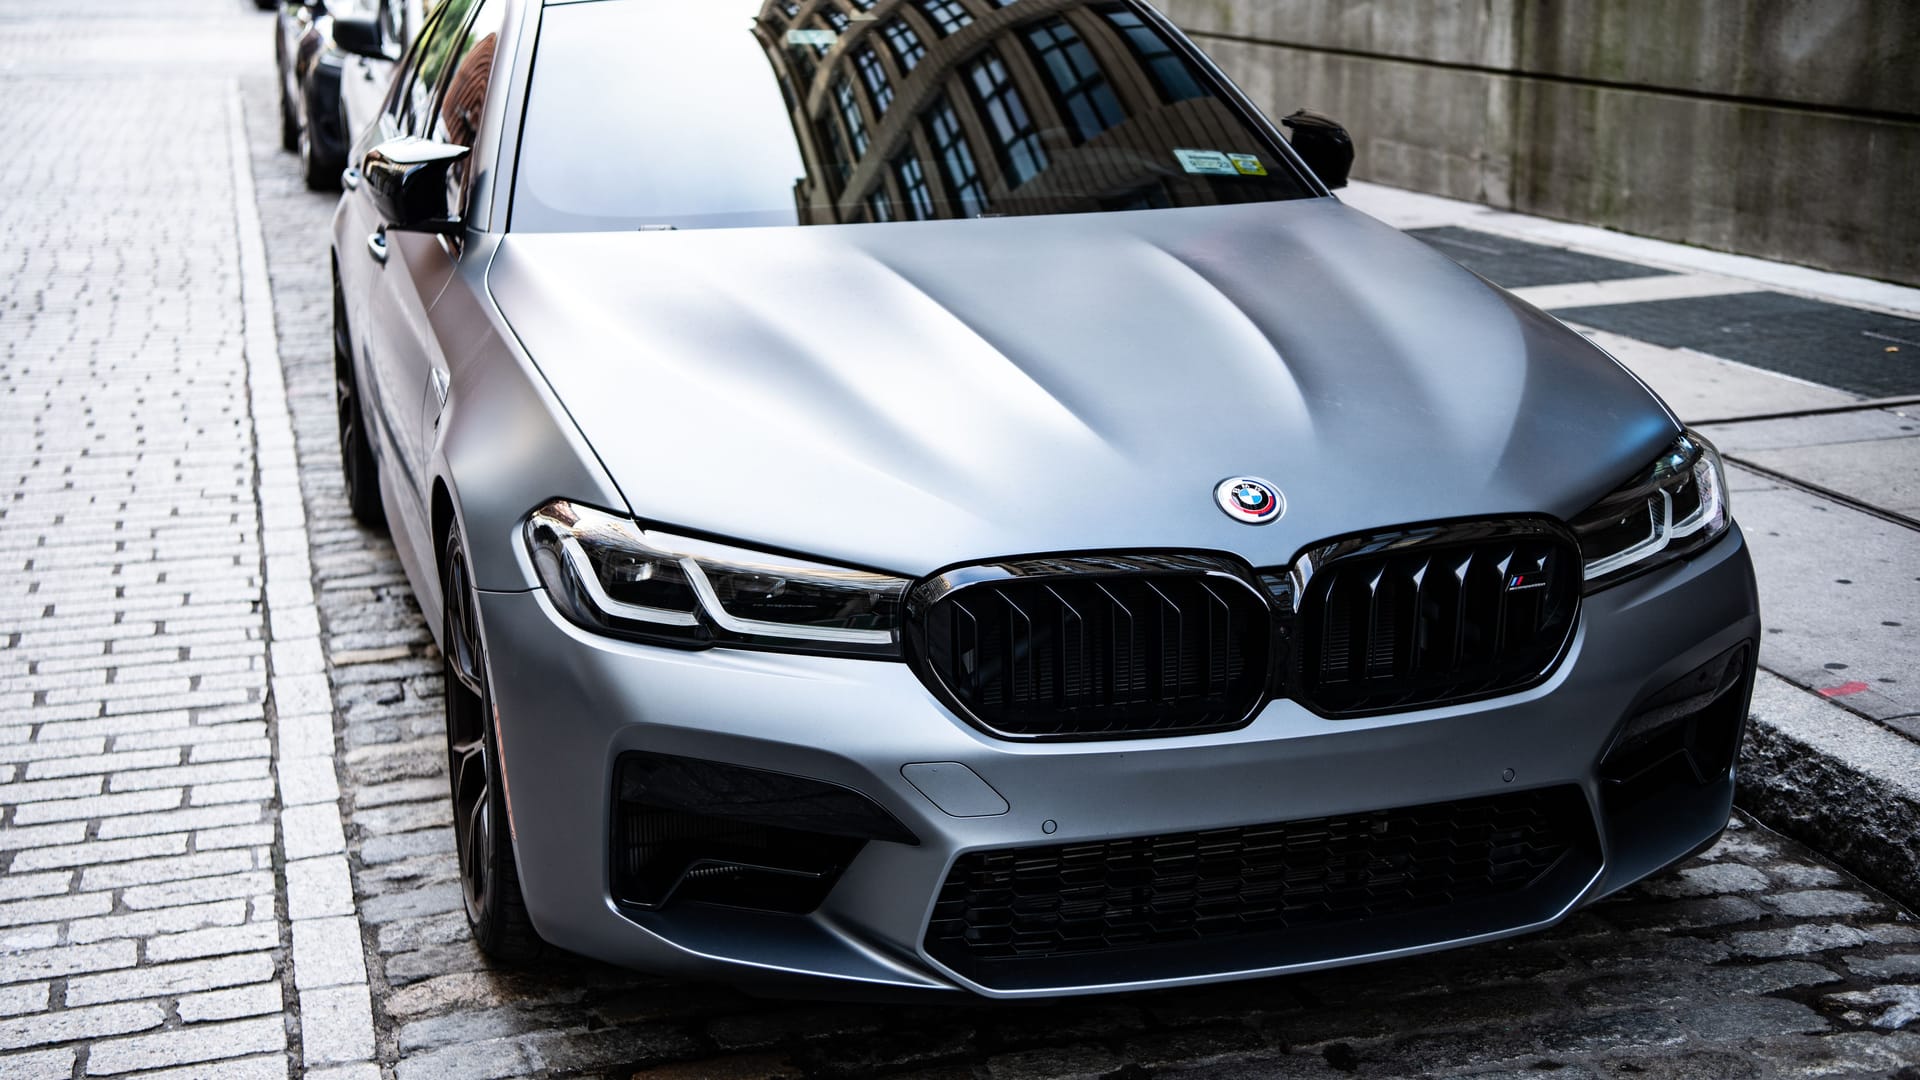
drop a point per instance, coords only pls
(1788, 129)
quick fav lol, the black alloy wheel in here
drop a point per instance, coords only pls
(489, 879)
(357, 465)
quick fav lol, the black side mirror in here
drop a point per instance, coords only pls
(359, 36)
(407, 178)
(1324, 145)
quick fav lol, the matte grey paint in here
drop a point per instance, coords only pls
(912, 396)
(571, 702)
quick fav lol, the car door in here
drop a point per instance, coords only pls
(413, 267)
(457, 108)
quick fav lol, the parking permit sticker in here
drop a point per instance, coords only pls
(1248, 164)
(1206, 162)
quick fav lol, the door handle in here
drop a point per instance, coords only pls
(377, 246)
(350, 179)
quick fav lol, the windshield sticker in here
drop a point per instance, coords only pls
(1248, 164)
(1206, 162)
(819, 39)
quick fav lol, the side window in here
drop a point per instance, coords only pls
(400, 95)
(463, 92)
(436, 51)
(462, 96)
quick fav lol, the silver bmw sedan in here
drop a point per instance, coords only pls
(936, 495)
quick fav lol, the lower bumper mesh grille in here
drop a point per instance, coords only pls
(1005, 909)
(687, 831)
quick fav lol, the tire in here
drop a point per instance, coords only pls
(489, 877)
(320, 169)
(289, 123)
(358, 467)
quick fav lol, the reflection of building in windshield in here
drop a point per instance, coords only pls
(913, 109)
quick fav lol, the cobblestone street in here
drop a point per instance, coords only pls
(226, 848)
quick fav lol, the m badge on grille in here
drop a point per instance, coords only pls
(1254, 502)
(1533, 577)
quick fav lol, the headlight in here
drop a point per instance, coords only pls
(607, 574)
(1674, 508)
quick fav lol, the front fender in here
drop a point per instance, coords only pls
(502, 444)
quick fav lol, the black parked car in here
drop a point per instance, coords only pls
(335, 60)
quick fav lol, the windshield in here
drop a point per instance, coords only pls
(665, 114)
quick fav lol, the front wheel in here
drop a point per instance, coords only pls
(489, 877)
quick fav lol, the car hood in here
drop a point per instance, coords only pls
(908, 397)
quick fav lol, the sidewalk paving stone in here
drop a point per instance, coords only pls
(1840, 613)
(1860, 351)
(1519, 264)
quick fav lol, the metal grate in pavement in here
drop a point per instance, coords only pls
(1807, 339)
(1518, 264)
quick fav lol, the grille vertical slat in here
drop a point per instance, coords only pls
(966, 635)
(1378, 657)
(1336, 631)
(1072, 666)
(1409, 624)
(1459, 638)
(1020, 661)
(1119, 649)
(1500, 612)
(1419, 639)
(1219, 636)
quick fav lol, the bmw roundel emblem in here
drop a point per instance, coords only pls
(1254, 502)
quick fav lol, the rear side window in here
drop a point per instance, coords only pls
(650, 114)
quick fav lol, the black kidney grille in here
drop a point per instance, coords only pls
(1429, 625)
(1099, 655)
(1077, 899)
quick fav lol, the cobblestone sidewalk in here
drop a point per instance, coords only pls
(157, 608)
(139, 891)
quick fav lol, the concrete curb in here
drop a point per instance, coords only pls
(1837, 781)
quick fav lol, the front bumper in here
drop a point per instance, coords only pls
(570, 703)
